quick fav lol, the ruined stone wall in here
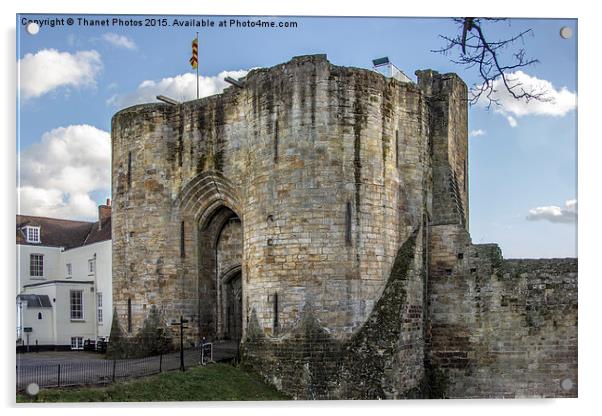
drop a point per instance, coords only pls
(447, 98)
(500, 328)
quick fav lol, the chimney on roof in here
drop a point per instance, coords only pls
(104, 213)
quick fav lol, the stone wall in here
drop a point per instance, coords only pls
(447, 98)
(501, 328)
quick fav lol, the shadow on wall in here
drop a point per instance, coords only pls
(309, 363)
(154, 338)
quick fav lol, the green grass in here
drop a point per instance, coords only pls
(212, 382)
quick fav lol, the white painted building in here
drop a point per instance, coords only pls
(64, 280)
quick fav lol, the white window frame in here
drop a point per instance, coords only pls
(40, 265)
(77, 343)
(91, 266)
(32, 234)
(69, 270)
(72, 315)
(99, 312)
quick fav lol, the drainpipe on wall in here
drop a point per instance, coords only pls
(95, 302)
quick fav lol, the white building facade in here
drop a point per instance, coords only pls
(64, 281)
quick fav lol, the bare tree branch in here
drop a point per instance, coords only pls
(475, 51)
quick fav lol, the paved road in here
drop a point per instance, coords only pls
(69, 368)
(56, 357)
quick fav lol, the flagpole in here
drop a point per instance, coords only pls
(197, 68)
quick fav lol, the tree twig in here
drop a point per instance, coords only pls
(476, 51)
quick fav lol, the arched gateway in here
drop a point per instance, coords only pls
(219, 267)
(213, 254)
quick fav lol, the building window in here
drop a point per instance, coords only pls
(276, 323)
(91, 266)
(36, 265)
(76, 305)
(77, 343)
(129, 169)
(129, 315)
(397, 148)
(182, 241)
(465, 177)
(32, 234)
(99, 307)
(276, 142)
(348, 224)
(69, 270)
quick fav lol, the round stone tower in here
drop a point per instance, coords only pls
(284, 198)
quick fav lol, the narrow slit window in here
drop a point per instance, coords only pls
(276, 143)
(276, 313)
(465, 177)
(129, 315)
(182, 245)
(348, 224)
(129, 169)
(397, 148)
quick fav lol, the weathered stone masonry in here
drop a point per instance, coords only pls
(320, 216)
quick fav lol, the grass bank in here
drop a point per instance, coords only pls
(209, 383)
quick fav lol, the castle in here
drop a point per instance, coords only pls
(318, 215)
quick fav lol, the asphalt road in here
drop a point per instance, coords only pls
(71, 368)
(56, 357)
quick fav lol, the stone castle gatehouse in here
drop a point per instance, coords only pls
(318, 215)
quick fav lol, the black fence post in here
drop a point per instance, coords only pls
(182, 343)
(58, 379)
(160, 362)
(114, 365)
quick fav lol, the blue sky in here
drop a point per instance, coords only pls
(522, 158)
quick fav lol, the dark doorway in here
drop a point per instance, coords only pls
(233, 303)
(220, 276)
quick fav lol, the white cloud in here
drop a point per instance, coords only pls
(53, 203)
(512, 121)
(478, 132)
(552, 213)
(49, 69)
(58, 174)
(181, 87)
(119, 41)
(555, 102)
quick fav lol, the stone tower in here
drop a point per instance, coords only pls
(301, 215)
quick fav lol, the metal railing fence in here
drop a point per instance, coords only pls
(100, 371)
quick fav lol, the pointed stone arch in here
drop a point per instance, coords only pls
(204, 194)
(202, 208)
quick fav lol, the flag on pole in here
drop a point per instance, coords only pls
(194, 59)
